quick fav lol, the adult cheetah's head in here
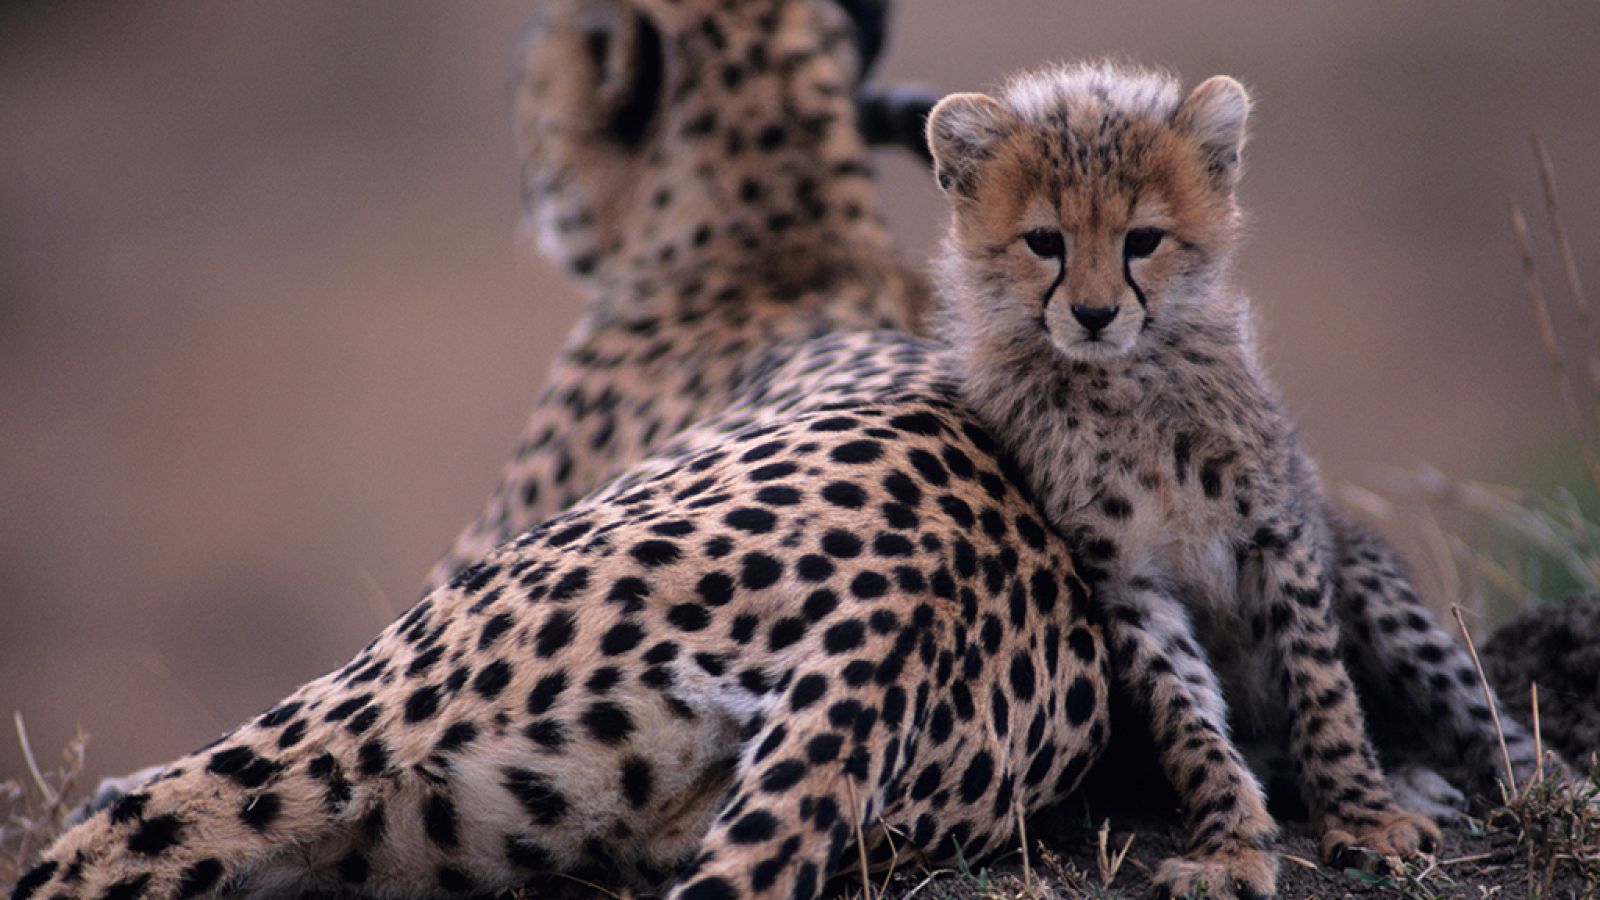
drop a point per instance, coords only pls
(1093, 204)
(653, 132)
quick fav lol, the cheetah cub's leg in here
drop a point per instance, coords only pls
(1398, 652)
(1160, 664)
(1338, 768)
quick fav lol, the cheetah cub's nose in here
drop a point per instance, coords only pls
(1094, 318)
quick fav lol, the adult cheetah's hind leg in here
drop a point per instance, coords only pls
(1412, 671)
(806, 781)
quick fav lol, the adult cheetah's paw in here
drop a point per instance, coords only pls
(110, 790)
(1396, 833)
(1239, 872)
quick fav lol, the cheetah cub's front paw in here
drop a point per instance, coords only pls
(1238, 872)
(1396, 833)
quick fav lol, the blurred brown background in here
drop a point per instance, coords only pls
(266, 336)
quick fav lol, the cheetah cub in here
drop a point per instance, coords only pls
(1086, 277)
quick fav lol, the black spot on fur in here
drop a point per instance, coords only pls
(546, 692)
(373, 757)
(441, 823)
(1080, 701)
(844, 494)
(980, 771)
(857, 452)
(689, 617)
(492, 679)
(759, 571)
(156, 835)
(753, 828)
(537, 795)
(261, 811)
(843, 637)
(556, 632)
(199, 878)
(547, 733)
(607, 722)
(653, 554)
(621, 638)
(528, 855)
(637, 780)
(128, 807)
(718, 889)
(127, 888)
(422, 704)
(31, 882)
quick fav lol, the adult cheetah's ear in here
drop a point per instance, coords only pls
(1214, 116)
(963, 132)
(592, 67)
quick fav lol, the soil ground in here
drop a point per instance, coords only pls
(1468, 867)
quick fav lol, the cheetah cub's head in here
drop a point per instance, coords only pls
(1093, 207)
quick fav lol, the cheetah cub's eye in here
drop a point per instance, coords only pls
(1046, 243)
(1142, 242)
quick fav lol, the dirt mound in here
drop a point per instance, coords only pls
(1557, 646)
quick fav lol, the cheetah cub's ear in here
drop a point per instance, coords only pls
(1214, 116)
(963, 132)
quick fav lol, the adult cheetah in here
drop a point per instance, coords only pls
(1086, 273)
(702, 169)
(848, 618)
(828, 608)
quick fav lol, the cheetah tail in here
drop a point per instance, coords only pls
(215, 821)
(895, 116)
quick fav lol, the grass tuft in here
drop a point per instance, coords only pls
(35, 810)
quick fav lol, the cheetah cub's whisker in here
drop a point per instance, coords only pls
(1085, 274)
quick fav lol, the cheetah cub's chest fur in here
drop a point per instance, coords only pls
(1085, 272)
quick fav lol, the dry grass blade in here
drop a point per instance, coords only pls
(592, 886)
(34, 811)
(861, 839)
(1110, 863)
(930, 879)
(377, 600)
(1547, 181)
(1022, 836)
(1547, 334)
(1538, 732)
(50, 798)
(894, 857)
(1488, 697)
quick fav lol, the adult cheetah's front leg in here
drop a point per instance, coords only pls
(1350, 802)
(1161, 665)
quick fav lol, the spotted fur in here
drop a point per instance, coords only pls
(1087, 274)
(703, 172)
(700, 167)
(846, 614)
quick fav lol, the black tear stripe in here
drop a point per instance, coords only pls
(1127, 275)
(1061, 274)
